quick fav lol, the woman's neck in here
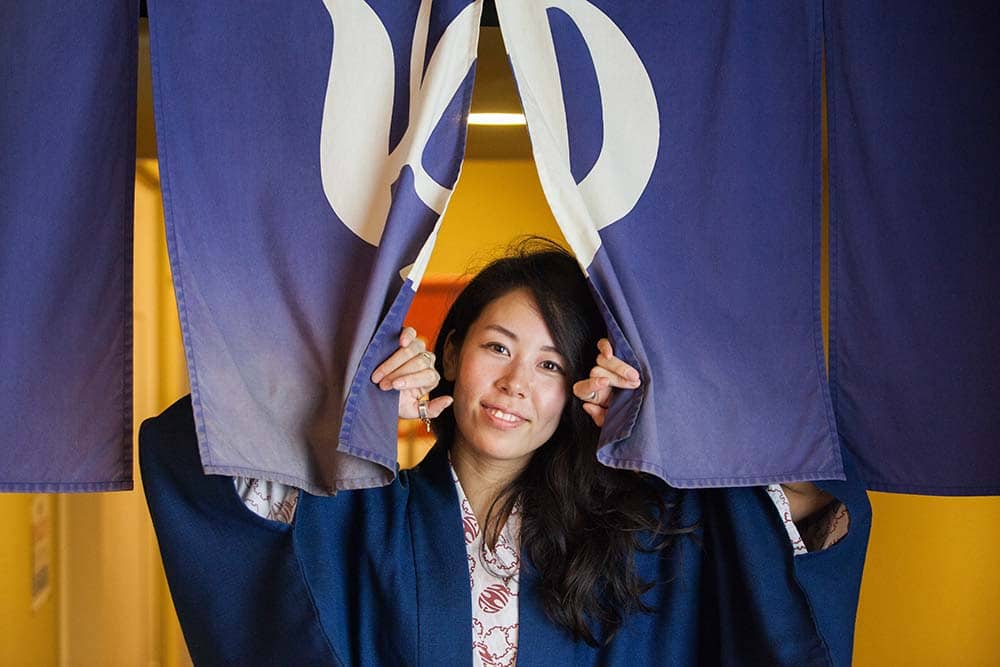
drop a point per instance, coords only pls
(482, 479)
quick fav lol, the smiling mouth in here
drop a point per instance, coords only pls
(502, 416)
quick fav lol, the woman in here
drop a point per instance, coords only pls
(568, 562)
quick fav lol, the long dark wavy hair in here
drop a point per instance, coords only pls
(581, 522)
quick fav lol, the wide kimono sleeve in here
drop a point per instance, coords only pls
(763, 605)
(337, 586)
(239, 592)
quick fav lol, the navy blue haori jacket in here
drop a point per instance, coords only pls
(380, 576)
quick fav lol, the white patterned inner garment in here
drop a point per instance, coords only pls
(493, 580)
(270, 500)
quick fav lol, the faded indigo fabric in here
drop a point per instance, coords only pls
(379, 576)
(678, 145)
(67, 164)
(307, 153)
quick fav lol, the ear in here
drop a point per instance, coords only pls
(450, 361)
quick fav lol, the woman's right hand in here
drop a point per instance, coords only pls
(609, 373)
(410, 370)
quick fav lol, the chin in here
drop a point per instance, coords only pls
(501, 451)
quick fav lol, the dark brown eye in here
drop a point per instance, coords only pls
(499, 348)
(552, 366)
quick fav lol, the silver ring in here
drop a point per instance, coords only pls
(428, 356)
(422, 411)
(591, 396)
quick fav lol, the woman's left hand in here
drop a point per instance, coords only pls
(608, 374)
(410, 370)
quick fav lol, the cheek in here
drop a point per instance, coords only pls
(467, 382)
(461, 397)
(552, 406)
(467, 392)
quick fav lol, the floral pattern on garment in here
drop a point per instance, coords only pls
(816, 532)
(780, 500)
(271, 500)
(493, 580)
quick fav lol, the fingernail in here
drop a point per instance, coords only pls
(377, 376)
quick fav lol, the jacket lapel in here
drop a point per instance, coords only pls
(444, 602)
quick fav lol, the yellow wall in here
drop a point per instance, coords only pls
(931, 590)
(27, 637)
(495, 201)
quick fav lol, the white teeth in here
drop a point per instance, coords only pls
(503, 416)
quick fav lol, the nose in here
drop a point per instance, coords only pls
(516, 381)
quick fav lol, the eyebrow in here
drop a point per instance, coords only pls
(513, 336)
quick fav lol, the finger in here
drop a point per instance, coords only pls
(423, 378)
(395, 360)
(409, 405)
(584, 388)
(438, 405)
(596, 413)
(606, 358)
(616, 366)
(413, 349)
(407, 336)
(614, 380)
(592, 389)
(416, 364)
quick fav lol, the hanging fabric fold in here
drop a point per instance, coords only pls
(307, 155)
(678, 145)
(67, 165)
(915, 241)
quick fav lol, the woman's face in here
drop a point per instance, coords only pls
(510, 382)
